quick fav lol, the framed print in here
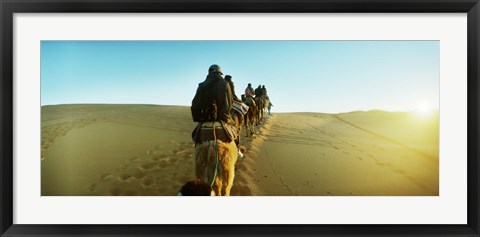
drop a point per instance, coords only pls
(314, 118)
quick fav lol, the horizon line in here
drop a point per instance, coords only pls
(351, 111)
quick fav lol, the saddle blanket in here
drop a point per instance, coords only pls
(240, 107)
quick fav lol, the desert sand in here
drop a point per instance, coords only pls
(144, 150)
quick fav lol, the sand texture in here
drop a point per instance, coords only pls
(145, 150)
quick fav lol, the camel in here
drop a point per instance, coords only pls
(260, 104)
(251, 116)
(238, 111)
(266, 101)
(215, 159)
(215, 164)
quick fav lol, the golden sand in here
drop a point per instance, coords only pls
(147, 150)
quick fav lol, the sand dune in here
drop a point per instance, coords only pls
(146, 150)
(321, 154)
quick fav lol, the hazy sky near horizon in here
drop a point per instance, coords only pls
(300, 76)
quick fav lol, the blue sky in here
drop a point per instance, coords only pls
(300, 76)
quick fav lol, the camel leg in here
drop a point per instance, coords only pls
(217, 187)
(230, 175)
(254, 120)
(246, 124)
(228, 169)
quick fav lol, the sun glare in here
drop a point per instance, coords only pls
(423, 109)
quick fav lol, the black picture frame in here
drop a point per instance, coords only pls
(9, 7)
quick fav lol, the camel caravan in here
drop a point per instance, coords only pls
(258, 101)
(220, 116)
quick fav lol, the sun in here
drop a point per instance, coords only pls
(423, 109)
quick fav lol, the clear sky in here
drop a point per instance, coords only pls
(300, 76)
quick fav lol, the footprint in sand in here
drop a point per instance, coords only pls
(139, 174)
(106, 176)
(180, 152)
(168, 159)
(124, 177)
(134, 159)
(161, 177)
(147, 181)
(115, 191)
(147, 166)
(162, 165)
(161, 156)
(92, 188)
(187, 155)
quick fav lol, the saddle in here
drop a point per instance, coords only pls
(205, 132)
